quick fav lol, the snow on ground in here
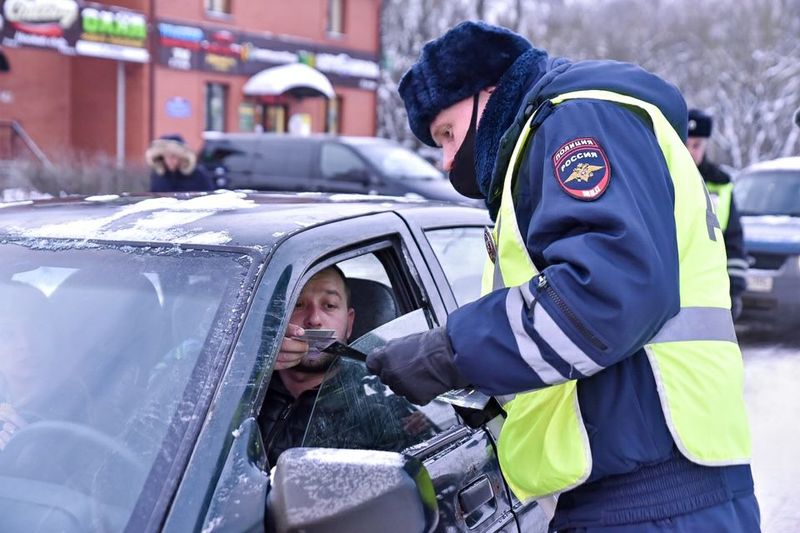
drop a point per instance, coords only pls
(772, 372)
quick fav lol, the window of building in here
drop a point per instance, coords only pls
(216, 106)
(218, 6)
(333, 114)
(335, 17)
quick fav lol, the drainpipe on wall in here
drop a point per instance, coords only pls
(120, 114)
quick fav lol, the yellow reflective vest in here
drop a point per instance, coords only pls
(721, 196)
(543, 445)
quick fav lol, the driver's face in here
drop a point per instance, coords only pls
(323, 305)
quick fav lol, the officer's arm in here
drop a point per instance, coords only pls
(737, 255)
(609, 265)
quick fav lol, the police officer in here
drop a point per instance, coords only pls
(720, 188)
(605, 326)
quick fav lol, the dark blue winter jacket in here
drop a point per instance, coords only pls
(610, 264)
(176, 181)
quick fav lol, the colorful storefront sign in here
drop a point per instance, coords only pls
(185, 47)
(75, 28)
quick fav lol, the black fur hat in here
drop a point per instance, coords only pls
(700, 124)
(468, 58)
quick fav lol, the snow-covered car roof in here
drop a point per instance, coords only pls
(231, 218)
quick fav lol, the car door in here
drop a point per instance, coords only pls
(225, 483)
(284, 163)
(230, 160)
(341, 170)
(461, 461)
(456, 254)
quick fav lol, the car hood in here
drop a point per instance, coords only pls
(770, 233)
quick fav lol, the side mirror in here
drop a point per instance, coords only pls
(320, 490)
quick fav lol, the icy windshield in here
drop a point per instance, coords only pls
(398, 162)
(102, 362)
(769, 193)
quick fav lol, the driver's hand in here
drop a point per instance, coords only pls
(10, 423)
(292, 350)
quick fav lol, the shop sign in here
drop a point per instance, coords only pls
(233, 52)
(113, 33)
(178, 107)
(179, 45)
(73, 27)
(40, 24)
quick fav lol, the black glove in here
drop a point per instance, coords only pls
(419, 367)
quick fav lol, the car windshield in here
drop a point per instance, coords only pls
(104, 351)
(398, 162)
(769, 193)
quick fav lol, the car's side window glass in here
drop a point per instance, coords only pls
(337, 161)
(291, 159)
(233, 156)
(462, 254)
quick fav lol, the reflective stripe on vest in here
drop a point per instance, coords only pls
(543, 446)
(723, 192)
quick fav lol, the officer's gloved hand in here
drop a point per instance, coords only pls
(736, 307)
(419, 367)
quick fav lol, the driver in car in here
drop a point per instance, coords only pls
(319, 399)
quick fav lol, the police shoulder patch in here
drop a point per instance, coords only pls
(582, 169)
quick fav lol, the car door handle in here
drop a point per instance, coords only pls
(476, 495)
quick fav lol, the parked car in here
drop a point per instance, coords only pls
(146, 330)
(323, 163)
(768, 199)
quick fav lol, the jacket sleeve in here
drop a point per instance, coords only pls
(737, 254)
(608, 267)
(202, 179)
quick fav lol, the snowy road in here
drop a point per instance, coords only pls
(772, 372)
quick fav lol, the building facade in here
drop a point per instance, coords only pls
(107, 77)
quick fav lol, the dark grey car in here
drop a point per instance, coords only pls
(142, 334)
(768, 198)
(323, 163)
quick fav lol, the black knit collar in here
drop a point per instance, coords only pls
(501, 110)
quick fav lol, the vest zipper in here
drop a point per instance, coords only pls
(543, 285)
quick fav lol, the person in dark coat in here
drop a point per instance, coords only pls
(720, 188)
(174, 167)
(606, 281)
(318, 399)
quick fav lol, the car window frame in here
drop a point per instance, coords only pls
(243, 383)
(422, 220)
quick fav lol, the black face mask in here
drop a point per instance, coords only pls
(462, 174)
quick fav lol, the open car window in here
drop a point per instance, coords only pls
(353, 409)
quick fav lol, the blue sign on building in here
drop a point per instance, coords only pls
(179, 107)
